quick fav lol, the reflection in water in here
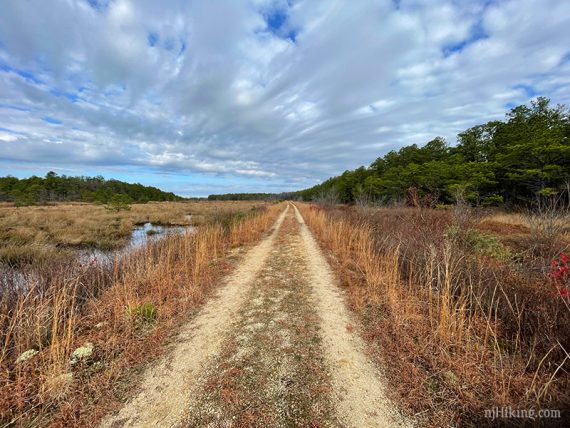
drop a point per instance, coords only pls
(21, 280)
(140, 236)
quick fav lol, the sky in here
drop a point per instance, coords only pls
(219, 96)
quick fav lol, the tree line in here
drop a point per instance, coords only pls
(61, 188)
(243, 197)
(500, 162)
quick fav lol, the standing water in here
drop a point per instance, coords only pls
(14, 278)
(140, 236)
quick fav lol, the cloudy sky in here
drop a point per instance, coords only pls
(215, 96)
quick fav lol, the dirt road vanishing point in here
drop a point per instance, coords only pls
(272, 349)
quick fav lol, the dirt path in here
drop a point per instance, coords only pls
(166, 389)
(272, 350)
(357, 386)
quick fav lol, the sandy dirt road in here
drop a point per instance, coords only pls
(272, 349)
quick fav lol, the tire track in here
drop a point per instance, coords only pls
(167, 388)
(271, 371)
(358, 391)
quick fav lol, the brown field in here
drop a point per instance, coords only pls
(126, 310)
(39, 234)
(457, 305)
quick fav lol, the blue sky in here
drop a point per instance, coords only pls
(211, 96)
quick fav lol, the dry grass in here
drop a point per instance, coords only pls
(38, 234)
(505, 218)
(461, 328)
(535, 236)
(67, 305)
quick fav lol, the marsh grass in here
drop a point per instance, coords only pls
(61, 307)
(39, 234)
(460, 329)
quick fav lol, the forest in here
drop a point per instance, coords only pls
(61, 188)
(243, 197)
(508, 162)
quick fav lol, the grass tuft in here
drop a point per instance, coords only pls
(142, 313)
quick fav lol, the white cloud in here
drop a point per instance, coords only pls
(211, 87)
(7, 137)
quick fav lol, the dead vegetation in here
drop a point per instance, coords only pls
(39, 234)
(459, 314)
(457, 304)
(74, 336)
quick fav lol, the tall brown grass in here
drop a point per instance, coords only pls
(126, 309)
(460, 329)
(39, 234)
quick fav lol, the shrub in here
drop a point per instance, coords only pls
(142, 313)
(329, 197)
(119, 203)
(560, 276)
(229, 218)
(492, 201)
(443, 206)
(547, 224)
(486, 244)
(479, 243)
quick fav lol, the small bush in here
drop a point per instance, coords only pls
(142, 313)
(486, 244)
(492, 201)
(229, 218)
(118, 203)
(481, 244)
(547, 223)
(443, 206)
(560, 275)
